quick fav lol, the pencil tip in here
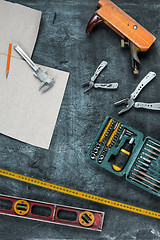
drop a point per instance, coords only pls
(6, 75)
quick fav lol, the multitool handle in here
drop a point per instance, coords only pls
(106, 85)
(142, 84)
(99, 70)
(151, 106)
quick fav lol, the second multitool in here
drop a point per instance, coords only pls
(130, 102)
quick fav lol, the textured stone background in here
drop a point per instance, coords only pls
(63, 44)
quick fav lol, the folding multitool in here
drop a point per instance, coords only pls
(46, 81)
(130, 101)
(91, 83)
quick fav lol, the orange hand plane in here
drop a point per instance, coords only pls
(132, 33)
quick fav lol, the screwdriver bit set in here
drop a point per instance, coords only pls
(123, 150)
(146, 169)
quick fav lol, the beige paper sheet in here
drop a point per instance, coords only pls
(18, 24)
(25, 113)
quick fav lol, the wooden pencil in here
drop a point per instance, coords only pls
(8, 59)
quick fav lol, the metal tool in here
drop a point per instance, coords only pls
(158, 145)
(151, 146)
(51, 213)
(147, 170)
(114, 135)
(120, 138)
(149, 161)
(130, 101)
(107, 131)
(125, 132)
(143, 163)
(148, 165)
(150, 156)
(145, 159)
(102, 155)
(147, 149)
(144, 169)
(144, 184)
(146, 175)
(110, 86)
(91, 83)
(46, 81)
(128, 133)
(95, 151)
(132, 33)
(146, 180)
(79, 194)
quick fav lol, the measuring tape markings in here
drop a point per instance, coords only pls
(79, 194)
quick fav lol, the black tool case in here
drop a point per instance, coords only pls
(123, 150)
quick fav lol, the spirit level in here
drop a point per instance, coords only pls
(51, 213)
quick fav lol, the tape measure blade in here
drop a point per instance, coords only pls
(79, 194)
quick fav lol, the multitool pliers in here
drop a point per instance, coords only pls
(91, 83)
(130, 101)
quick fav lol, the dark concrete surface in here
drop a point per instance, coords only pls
(63, 44)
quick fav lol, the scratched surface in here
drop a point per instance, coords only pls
(63, 44)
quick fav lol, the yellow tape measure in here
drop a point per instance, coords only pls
(79, 194)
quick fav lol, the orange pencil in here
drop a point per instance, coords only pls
(8, 60)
